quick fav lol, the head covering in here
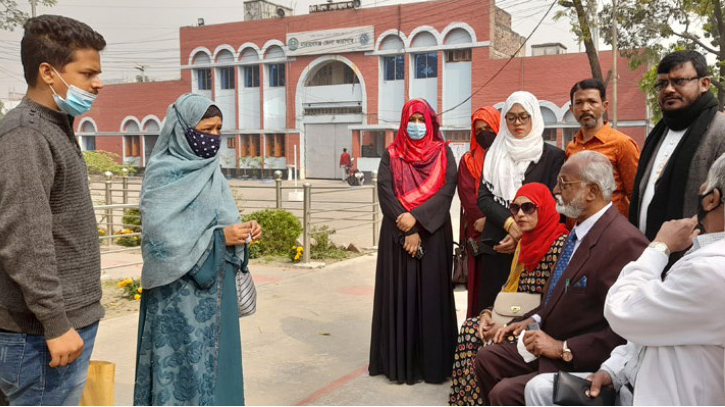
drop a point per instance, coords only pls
(474, 157)
(536, 243)
(418, 166)
(509, 157)
(184, 198)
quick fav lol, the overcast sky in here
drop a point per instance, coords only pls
(147, 32)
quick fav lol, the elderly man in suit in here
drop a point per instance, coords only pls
(573, 334)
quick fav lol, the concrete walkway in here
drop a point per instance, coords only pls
(307, 344)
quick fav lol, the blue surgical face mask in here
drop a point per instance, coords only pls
(416, 131)
(77, 101)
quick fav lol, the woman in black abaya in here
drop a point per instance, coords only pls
(414, 317)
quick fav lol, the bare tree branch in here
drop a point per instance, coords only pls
(697, 41)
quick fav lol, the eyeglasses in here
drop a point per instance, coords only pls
(523, 118)
(560, 181)
(527, 207)
(662, 84)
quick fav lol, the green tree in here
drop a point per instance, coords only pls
(647, 29)
(12, 16)
(582, 14)
(98, 162)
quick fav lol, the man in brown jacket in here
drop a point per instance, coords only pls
(573, 334)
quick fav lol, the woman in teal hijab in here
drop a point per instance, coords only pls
(189, 345)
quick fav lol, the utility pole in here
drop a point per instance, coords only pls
(615, 52)
(142, 69)
(32, 7)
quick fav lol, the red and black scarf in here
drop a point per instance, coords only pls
(418, 166)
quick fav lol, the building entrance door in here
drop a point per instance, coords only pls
(323, 146)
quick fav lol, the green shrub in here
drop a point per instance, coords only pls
(280, 230)
(254, 250)
(131, 224)
(128, 241)
(323, 248)
(99, 162)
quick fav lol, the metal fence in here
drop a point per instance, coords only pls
(116, 224)
(314, 206)
(115, 191)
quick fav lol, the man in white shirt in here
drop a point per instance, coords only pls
(621, 369)
(681, 148)
(677, 320)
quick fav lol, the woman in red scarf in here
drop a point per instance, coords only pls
(414, 317)
(543, 237)
(484, 126)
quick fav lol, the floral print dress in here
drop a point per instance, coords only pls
(465, 390)
(189, 345)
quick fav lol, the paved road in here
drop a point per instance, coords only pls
(307, 344)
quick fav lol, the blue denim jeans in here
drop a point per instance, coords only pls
(27, 380)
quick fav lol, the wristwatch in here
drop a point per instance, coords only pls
(566, 354)
(661, 247)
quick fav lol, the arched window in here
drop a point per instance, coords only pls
(392, 42)
(88, 138)
(202, 76)
(332, 73)
(132, 143)
(424, 39)
(274, 52)
(570, 132)
(458, 36)
(550, 124)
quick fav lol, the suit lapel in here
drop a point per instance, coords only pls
(580, 257)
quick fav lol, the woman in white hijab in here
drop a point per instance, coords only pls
(517, 156)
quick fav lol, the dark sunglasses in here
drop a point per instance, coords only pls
(527, 207)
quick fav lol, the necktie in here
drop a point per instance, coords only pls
(561, 264)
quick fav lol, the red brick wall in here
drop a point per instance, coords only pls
(116, 102)
(548, 77)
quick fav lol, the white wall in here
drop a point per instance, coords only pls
(391, 100)
(275, 163)
(248, 108)
(333, 93)
(227, 156)
(456, 87)
(225, 102)
(426, 89)
(275, 108)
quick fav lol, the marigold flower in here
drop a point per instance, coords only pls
(137, 297)
(140, 290)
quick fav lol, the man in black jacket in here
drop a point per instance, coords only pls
(681, 148)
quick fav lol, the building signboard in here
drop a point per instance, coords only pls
(354, 39)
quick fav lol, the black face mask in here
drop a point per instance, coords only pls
(485, 138)
(701, 212)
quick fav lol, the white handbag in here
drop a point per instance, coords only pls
(246, 292)
(509, 305)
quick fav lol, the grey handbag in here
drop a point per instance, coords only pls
(246, 292)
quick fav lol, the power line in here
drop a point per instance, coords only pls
(505, 64)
